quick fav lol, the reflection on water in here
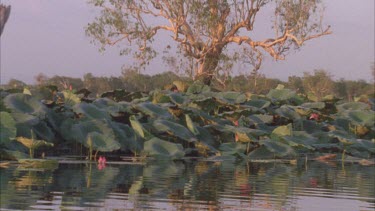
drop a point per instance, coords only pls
(190, 185)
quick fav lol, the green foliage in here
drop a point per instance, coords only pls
(7, 127)
(163, 149)
(200, 122)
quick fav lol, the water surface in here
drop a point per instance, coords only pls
(190, 185)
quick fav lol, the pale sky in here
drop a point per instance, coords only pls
(47, 36)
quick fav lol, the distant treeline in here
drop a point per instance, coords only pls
(316, 85)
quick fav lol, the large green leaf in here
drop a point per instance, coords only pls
(70, 99)
(261, 118)
(177, 98)
(352, 106)
(139, 129)
(153, 110)
(278, 148)
(285, 130)
(91, 111)
(313, 105)
(261, 152)
(23, 103)
(288, 112)
(233, 148)
(281, 94)
(27, 122)
(197, 88)
(174, 129)
(259, 103)
(80, 130)
(156, 147)
(231, 98)
(7, 127)
(360, 117)
(190, 125)
(127, 137)
(101, 142)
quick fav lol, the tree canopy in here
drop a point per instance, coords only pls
(203, 29)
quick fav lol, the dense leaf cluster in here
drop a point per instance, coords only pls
(189, 121)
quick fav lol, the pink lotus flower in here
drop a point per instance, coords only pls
(314, 116)
(101, 162)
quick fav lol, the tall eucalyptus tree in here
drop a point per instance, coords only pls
(203, 29)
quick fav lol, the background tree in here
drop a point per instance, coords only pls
(318, 85)
(203, 30)
(296, 83)
(15, 84)
(4, 15)
(41, 79)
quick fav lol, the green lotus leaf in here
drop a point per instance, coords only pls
(281, 94)
(181, 85)
(91, 111)
(343, 136)
(233, 148)
(197, 88)
(118, 95)
(139, 129)
(101, 142)
(55, 119)
(127, 137)
(363, 145)
(285, 130)
(352, 106)
(190, 125)
(207, 105)
(261, 152)
(299, 141)
(231, 98)
(288, 112)
(261, 118)
(7, 127)
(177, 98)
(244, 134)
(153, 110)
(32, 143)
(158, 148)
(206, 118)
(314, 105)
(159, 96)
(104, 103)
(205, 136)
(279, 149)
(236, 114)
(80, 130)
(174, 129)
(24, 104)
(25, 118)
(12, 154)
(360, 117)
(43, 131)
(258, 103)
(70, 99)
(65, 126)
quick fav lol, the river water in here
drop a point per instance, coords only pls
(190, 185)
